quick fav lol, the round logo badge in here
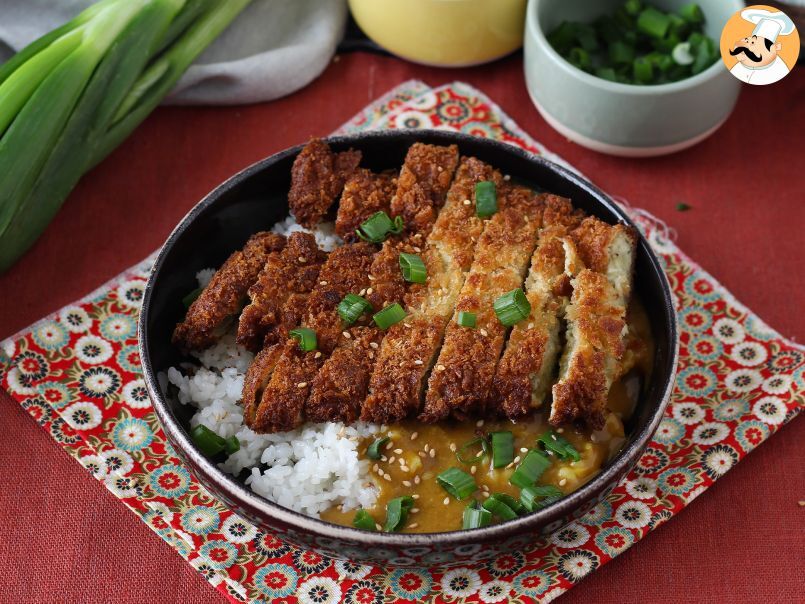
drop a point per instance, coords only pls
(760, 45)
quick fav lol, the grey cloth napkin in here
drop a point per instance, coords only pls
(273, 47)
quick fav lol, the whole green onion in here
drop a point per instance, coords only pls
(466, 319)
(68, 99)
(363, 520)
(486, 199)
(374, 450)
(502, 449)
(530, 469)
(389, 316)
(397, 512)
(457, 483)
(534, 498)
(512, 307)
(413, 268)
(378, 226)
(475, 516)
(352, 307)
(306, 338)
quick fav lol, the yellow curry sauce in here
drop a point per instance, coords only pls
(416, 453)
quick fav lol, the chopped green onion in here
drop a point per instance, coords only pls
(621, 53)
(691, 13)
(231, 445)
(192, 296)
(585, 34)
(502, 449)
(363, 520)
(682, 207)
(642, 70)
(397, 512)
(475, 516)
(378, 226)
(210, 443)
(466, 319)
(705, 54)
(681, 54)
(499, 508)
(460, 454)
(633, 7)
(512, 307)
(580, 58)
(607, 73)
(413, 269)
(390, 315)
(352, 307)
(510, 501)
(535, 498)
(530, 469)
(563, 37)
(558, 445)
(486, 199)
(457, 483)
(653, 23)
(374, 450)
(306, 338)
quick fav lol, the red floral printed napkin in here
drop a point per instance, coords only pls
(78, 375)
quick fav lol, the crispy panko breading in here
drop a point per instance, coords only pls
(224, 294)
(365, 193)
(317, 178)
(257, 377)
(294, 270)
(461, 382)
(596, 324)
(527, 367)
(283, 399)
(410, 347)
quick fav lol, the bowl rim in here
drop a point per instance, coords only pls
(534, 30)
(234, 491)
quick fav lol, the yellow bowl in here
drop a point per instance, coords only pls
(443, 33)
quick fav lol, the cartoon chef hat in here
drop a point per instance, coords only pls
(769, 25)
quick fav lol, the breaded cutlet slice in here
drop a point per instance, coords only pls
(596, 323)
(283, 399)
(341, 385)
(224, 294)
(365, 193)
(528, 365)
(294, 270)
(410, 347)
(461, 381)
(317, 178)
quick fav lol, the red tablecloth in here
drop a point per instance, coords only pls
(63, 537)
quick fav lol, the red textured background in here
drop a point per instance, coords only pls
(64, 538)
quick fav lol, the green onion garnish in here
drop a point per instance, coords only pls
(413, 269)
(510, 501)
(530, 469)
(499, 508)
(210, 443)
(642, 70)
(632, 7)
(363, 520)
(535, 498)
(393, 313)
(231, 445)
(682, 207)
(397, 512)
(378, 226)
(691, 13)
(502, 449)
(457, 483)
(466, 319)
(374, 450)
(352, 307)
(512, 307)
(486, 199)
(558, 445)
(306, 338)
(192, 296)
(475, 516)
(653, 23)
(462, 453)
(621, 53)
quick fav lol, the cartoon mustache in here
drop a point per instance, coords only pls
(752, 56)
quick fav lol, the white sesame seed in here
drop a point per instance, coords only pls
(432, 453)
(301, 385)
(511, 465)
(479, 423)
(317, 355)
(383, 458)
(369, 290)
(302, 259)
(374, 345)
(417, 479)
(439, 168)
(593, 437)
(414, 510)
(516, 459)
(417, 249)
(485, 487)
(467, 202)
(523, 449)
(406, 483)
(422, 454)
(453, 447)
(378, 527)
(383, 427)
(484, 333)
(485, 494)
(405, 469)
(418, 362)
(426, 447)
(414, 435)
(387, 477)
(563, 482)
(473, 469)
(389, 445)
(392, 459)
(531, 326)
(398, 451)
(371, 277)
(507, 177)
(446, 500)
(322, 282)
(346, 334)
(415, 496)
(362, 292)
(560, 430)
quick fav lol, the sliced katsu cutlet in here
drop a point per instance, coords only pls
(224, 294)
(341, 385)
(407, 352)
(294, 270)
(317, 178)
(282, 402)
(596, 323)
(365, 193)
(461, 382)
(528, 365)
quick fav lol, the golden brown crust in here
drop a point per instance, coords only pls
(423, 183)
(294, 270)
(257, 378)
(559, 211)
(461, 382)
(365, 193)
(222, 297)
(317, 178)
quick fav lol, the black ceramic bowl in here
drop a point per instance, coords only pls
(254, 200)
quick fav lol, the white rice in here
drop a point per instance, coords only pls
(309, 469)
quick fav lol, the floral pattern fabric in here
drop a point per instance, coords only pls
(78, 375)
